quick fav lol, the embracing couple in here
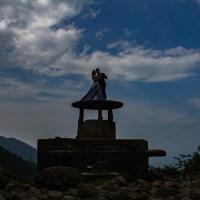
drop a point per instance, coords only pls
(98, 89)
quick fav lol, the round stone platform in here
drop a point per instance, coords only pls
(98, 104)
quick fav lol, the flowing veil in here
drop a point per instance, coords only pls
(94, 93)
(97, 90)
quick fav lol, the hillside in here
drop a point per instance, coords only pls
(20, 148)
(23, 169)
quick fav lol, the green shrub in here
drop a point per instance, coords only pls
(188, 164)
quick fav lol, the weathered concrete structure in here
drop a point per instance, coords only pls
(99, 128)
(96, 146)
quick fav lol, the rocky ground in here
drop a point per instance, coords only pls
(67, 184)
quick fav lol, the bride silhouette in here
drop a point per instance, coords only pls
(97, 90)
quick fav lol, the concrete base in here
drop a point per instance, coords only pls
(128, 156)
(97, 129)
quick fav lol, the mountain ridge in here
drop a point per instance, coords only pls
(19, 148)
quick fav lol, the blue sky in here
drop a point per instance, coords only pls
(150, 51)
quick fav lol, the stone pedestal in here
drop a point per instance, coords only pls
(129, 156)
(96, 143)
(100, 128)
(97, 129)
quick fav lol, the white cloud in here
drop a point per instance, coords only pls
(13, 88)
(40, 91)
(27, 40)
(137, 63)
(91, 14)
(40, 13)
(121, 44)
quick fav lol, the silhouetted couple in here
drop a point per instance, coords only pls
(98, 89)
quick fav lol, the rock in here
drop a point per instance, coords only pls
(141, 182)
(195, 194)
(43, 190)
(72, 192)
(33, 192)
(2, 198)
(10, 187)
(114, 191)
(143, 196)
(119, 181)
(157, 184)
(60, 178)
(25, 187)
(142, 186)
(118, 195)
(15, 195)
(14, 191)
(54, 195)
(33, 198)
(43, 197)
(133, 196)
(166, 191)
(195, 183)
(87, 190)
(68, 198)
(102, 198)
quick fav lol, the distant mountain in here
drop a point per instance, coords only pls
(21, 168)
(20, 148)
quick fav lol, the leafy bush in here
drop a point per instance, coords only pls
(189, 164)
(186, 165)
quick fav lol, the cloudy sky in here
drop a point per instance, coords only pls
(150, 51)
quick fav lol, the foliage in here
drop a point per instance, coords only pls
(185, 165)
(160, 173)
(189, 164)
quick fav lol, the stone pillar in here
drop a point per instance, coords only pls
(81, 118)
(100, 115)
(110, 115)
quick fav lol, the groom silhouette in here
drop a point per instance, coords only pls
(101, 79)
(98, 88)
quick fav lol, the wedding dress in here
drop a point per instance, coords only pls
(94, 93)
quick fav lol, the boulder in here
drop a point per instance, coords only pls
(68, 198)
(166, 191)
(72, 192)
(119, 181)
(87, 191)
(54, 195)
(60, 178)
(2, 198)
(115, 189)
